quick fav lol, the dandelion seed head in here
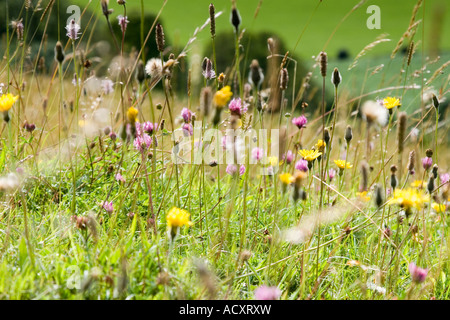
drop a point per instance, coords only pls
(154, 68)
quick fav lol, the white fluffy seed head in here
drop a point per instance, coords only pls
(374, 113)
(154, 67)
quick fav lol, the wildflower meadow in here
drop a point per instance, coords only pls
(141, 160)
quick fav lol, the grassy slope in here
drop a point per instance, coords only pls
(288, 18)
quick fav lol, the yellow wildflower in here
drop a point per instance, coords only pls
(132, 114)
(309, 155)
(418, 184)
(391, 102)
(7, 101)
(409, 198)
(363, 196)
(439, 208)
(286, 178)
(342, 164)
(273, 161)
(221, 77)
(320, 145)
(298, 177)
(177, 218)
(222, 96)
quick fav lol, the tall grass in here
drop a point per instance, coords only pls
(101, 202)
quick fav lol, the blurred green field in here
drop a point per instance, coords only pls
(288, 18)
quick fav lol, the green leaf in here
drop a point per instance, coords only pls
(2, 157)
(23, 252)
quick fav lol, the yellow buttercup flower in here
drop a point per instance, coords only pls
(132, 114)
(309, 155)
(286, 178)
(177, 218)
(439, 208)
(342, 164)
(363, 196)
(391, 102)
(7, 101)
(409, 198)
(222, 96)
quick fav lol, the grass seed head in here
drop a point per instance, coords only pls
(348, 134)
(411, 162)
(140, 72)
(235, 19)
(323, 63)
(364, 176)
(284, 79)
(435, 101)
(212, 18)
(379, 197)
(435, 171)
(160, 41)
(336, 77)
(256, 76)
(59, 53)
(402, 117)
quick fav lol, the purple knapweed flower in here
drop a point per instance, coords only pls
(186, 114)
(231, 169)
(300, 122)
(142, 142)
(418, 275)
(301, 165)
(241, 170)
(445, 177)
(427, 163)
(120, 178)
(331, 174)
(108, 206)
(267, 293)
(148, 127)
(235, 106)
(288, 157)
(188, 129)
(257, 153)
